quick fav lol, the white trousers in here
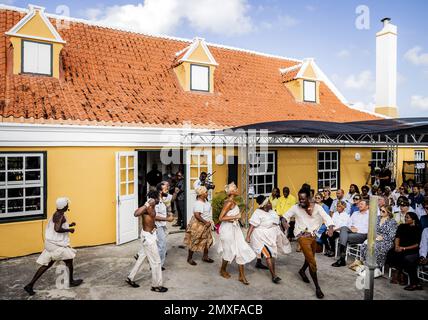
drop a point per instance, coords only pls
(150, 251)
(161, 234)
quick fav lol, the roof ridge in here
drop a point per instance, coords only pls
(107, 26)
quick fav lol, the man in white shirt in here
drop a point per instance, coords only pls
(309, 217)
(355, 233)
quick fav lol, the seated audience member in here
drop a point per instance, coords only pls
(386, 228)
(423, 248)
(319, 200)
(340, 219)
(416, 198)
(354, 206)
(356, 233)
(404, 208)
(424, 218)
(400, 192)
(365, 193)
(404, 256)
(340, 195)
(388, 196)
(274, 197)
(353, 191)
(327, 200)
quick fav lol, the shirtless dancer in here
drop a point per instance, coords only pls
(148, 240)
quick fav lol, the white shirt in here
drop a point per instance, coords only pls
(161, 212)
(341, 220)
(360, 221)
(197, 184)
(306, 222)
(204, 208)
(263, 219)
(167, 201)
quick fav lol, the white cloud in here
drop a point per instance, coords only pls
(343, 53)
(9, 2)
(417, 57)
(226, 17)
(310, 8)
(419, 102)
(287, 21)
(362, 81)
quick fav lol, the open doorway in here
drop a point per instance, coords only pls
(151, 170)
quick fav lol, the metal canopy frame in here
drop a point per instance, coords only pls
(251, 140)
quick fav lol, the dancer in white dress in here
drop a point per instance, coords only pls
(265, 235)
(232, 244)
(57, 245)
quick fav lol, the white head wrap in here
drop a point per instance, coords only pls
(62, 202)
(200, 190)
(229, 187)
(264, 203)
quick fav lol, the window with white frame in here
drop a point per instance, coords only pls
(199, 78)
(309, 91)
(419, 167)
(22, 186)
(36, 57)
(262, 172)
(328, 169)
(381, 157)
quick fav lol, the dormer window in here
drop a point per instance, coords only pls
(36, 57)
(309, 91)
(199, 78)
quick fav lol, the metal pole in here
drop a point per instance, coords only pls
(371, 258)
(247, 181)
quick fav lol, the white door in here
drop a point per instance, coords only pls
(197, 161)
(126, 196)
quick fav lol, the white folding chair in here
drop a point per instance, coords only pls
(423, 273)
(353, 250)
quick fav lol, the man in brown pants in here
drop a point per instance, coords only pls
(309, 218)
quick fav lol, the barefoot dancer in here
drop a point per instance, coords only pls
(198, 235)
(57, 245)
(149, 239)
(232, 243)
(309, 218)
(265, 235)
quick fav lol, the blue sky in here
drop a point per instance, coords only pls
(323, 29)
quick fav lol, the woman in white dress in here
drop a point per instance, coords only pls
(232, 244)
(265, 235)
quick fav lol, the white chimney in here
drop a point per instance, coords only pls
(386, 70)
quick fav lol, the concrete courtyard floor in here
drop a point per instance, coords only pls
(105, 268)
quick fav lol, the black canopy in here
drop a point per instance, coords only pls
(315, 128)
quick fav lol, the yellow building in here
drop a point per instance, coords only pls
(87, 110)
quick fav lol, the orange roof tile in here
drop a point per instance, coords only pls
(118, 77)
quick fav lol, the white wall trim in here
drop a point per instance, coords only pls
(27, 135)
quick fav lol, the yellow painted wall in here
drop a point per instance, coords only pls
(87, 177)
(37, 28)
(387, 111)
(296, 89)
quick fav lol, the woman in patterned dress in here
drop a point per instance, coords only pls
(198, 236)
(386, 227)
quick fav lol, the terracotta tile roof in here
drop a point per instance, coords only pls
(118, 77)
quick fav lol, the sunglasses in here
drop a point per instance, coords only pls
(383, 210)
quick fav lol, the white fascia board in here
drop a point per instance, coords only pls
(19, 134)
(321, 75)
(193, 47)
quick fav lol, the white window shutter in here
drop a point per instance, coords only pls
(31, 57)
(44, 59)
(37, 57)
(200, 78)
(309, 89)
